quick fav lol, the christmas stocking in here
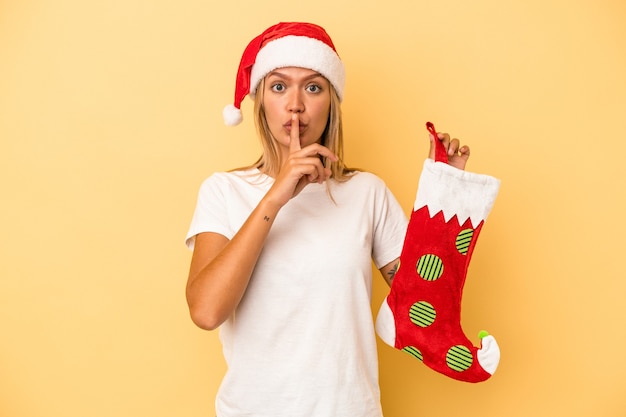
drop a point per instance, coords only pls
(422, 313)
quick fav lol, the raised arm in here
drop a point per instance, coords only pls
(457, 157)
(221, 268)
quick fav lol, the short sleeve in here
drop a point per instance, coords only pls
(390, 224)
(211, 213)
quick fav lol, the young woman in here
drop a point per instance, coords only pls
(282, 249)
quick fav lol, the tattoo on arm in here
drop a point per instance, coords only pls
(267, 219)
(392, 271)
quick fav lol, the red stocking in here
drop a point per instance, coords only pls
(422, 313)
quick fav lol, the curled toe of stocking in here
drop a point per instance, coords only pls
(489, 354)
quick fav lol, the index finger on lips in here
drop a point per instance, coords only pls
(294, 134)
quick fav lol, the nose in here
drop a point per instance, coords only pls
(295, 104)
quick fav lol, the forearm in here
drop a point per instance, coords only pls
(217, 284)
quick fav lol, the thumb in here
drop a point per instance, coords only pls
(431, 149)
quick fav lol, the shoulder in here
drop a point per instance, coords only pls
(215, 181)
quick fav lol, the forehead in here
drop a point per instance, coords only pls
(295, 73)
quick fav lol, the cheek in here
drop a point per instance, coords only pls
(274, 122)
(269, 109)
(322, 118)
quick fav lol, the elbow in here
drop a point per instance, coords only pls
(205, 320)
(208, 312)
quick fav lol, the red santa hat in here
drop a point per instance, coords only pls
(292, 44)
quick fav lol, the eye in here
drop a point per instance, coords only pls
(313, 88)
(277, 87)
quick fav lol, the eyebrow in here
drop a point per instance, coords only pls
(283, 75)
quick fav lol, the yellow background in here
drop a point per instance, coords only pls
(110, 117)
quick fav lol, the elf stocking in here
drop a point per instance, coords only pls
(422, 313)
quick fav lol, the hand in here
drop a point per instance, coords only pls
(457, 154)
(302, 167)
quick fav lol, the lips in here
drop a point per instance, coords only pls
(287, 127)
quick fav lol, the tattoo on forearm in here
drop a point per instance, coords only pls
(392, 271)
(267, 219)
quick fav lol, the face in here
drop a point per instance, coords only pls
(296, 90)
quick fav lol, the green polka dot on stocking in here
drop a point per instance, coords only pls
(430, 267)
(463, 240)
(413, 351)
(422, 313)
(459, 358)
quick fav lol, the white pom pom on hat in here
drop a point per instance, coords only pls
(290, 44)
(232, 115)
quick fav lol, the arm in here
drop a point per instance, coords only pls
(457, 157)
(220, 268)
(388, 271)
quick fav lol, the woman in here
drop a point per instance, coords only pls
(282, 249)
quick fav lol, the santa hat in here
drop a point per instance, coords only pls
(292, 44)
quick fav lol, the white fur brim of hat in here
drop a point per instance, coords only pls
(299, 51)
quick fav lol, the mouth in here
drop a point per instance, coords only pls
(287, 127)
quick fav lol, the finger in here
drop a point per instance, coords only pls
(311, 168)
(465, 152)
(453, 147)
(294, 134)
(460, 160)
(314, 177)
(321, 150)
(431, 149)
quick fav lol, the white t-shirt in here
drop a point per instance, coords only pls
(301, 342)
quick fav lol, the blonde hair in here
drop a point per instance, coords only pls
(332, 138)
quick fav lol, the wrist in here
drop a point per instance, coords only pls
(270, 205)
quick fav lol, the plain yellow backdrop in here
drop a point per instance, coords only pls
(110, 118)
